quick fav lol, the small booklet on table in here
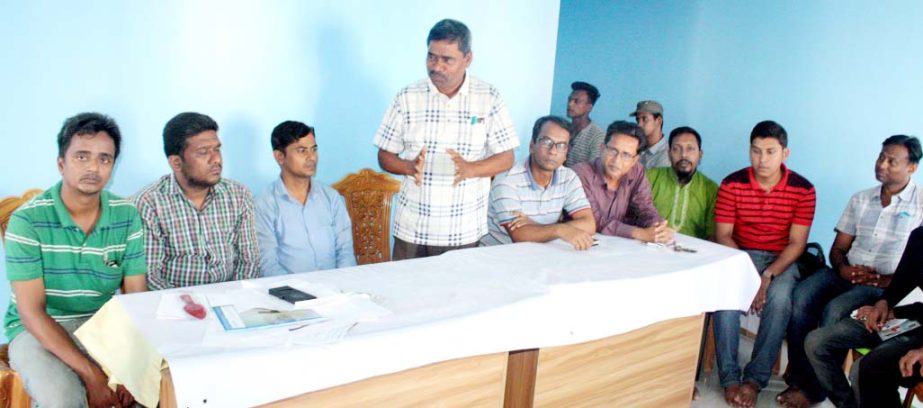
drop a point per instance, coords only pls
(255, 318)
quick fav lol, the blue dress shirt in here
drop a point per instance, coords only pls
(302, 238)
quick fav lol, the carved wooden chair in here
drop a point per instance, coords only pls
(12, 392)
(368, 199)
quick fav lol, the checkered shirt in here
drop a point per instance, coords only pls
(186, 246)
(476, 124)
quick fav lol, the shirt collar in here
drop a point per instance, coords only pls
(465, 86)
(905, 194)
(279, 190)
(532, 183)
(65, 217)
(173, 188)
(657, 147)
(782, 181)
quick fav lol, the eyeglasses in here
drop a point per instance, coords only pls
(548, 144)
(611, 151)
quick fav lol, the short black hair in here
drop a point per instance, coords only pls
(628, 129)
(557, 120)
(289, 132)
(684, 129)
(914, 152)
(451, 31)
(88, 123)
(181, 128)
(591, 91)
(770, 129)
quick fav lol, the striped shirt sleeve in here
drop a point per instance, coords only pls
(726, 204)
(576, 198)
(850, 218)
(133, 262)
(23, 251)
(504, 202)
(804, 212)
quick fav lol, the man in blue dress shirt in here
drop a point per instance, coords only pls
(301, 225)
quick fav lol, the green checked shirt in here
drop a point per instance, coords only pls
(688, 209)
(81, 272)
(186, 246)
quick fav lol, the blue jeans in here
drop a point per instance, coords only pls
(826, 348)
(49, 381)
(773, 323)
(823, 298)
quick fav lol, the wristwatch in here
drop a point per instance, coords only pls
(767, 274)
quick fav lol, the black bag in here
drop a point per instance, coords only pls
(811, 260)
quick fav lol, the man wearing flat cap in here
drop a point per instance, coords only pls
(649, 115)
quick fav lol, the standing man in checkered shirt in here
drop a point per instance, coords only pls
(447, 134)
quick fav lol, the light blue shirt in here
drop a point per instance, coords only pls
(302, 238)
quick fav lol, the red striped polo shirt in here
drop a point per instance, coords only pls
(764, 220)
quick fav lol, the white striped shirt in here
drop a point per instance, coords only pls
(516, 191)
(881, 233)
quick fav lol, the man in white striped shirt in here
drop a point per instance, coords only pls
(447, 135)
(539, 200)
(870, 238)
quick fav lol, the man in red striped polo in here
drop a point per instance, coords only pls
(766, 210)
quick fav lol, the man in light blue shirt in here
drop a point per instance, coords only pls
(301, 225)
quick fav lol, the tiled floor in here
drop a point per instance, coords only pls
(712, 395)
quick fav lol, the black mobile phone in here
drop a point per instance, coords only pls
(290, 294)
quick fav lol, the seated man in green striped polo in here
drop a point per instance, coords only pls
(67, 251)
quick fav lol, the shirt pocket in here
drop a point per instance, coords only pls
(471, 140)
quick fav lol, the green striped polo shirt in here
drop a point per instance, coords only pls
(81, 272)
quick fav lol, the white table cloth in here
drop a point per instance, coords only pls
(461, 304)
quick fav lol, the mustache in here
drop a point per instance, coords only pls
(684, 161)
(93, 178)
(436, 74)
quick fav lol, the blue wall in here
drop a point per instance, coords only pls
(839, 76)
(248, 64)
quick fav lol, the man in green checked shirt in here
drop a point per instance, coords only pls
(67, 251)
(682, 195)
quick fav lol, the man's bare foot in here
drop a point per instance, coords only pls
(730, 394)
(695, 393)
(782, 398)
(746, 396)
(793, 398)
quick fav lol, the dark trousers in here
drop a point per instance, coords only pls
(880, 375)
(406, 250)
(822, 299)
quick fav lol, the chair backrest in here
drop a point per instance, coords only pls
(368, 199)
(10, 204)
